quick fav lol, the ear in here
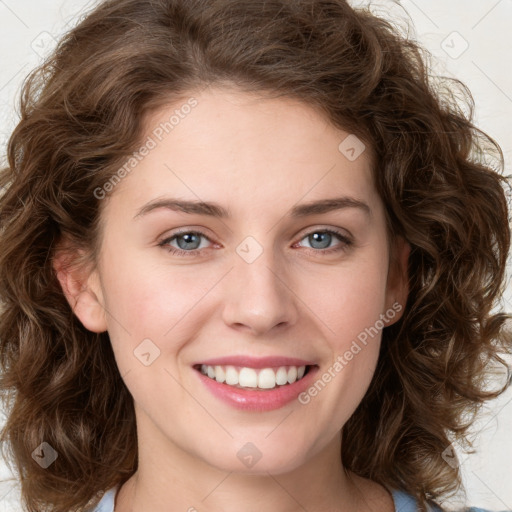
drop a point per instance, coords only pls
(397, 288)
(81, 287)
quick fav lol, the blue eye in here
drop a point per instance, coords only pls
(189, 242)
(324, 236)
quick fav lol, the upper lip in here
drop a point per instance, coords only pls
(256, 362)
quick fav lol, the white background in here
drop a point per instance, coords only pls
(28, 29)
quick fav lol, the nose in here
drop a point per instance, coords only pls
(258, 297)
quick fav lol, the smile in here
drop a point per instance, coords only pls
(256, 389)
(260, 378)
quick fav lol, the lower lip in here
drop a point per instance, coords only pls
(258, 400)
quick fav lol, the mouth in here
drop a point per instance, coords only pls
(244, 377)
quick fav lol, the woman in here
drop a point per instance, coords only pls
(249, 260)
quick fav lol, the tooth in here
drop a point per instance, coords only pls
(292, 374)
(231, 376)
(281, 376)
(220, 374)
(248, 378)
(267, 379)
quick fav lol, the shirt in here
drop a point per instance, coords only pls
(404, 502)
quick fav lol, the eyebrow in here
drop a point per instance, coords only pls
(215, 210)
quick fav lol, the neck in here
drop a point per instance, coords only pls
(313, 486)
(169, 477)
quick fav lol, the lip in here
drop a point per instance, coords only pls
(256, 362)
(250, 399)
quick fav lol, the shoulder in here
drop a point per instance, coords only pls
(405, 502)
(477, 509)
(106, 503)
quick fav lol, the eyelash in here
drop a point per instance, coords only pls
(195, 252)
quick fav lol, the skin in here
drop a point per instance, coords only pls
(258, 158)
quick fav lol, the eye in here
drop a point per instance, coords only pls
(320, 240)
(189, 242)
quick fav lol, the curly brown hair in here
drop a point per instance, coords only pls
(439, 176)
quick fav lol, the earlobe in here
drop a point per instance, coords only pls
(82, 290)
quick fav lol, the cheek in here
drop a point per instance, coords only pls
(149, 301)
(352, 311)
(348, 299)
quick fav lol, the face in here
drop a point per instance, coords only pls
(258, 286)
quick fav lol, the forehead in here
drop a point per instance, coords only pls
(229, 144)
(242, 120)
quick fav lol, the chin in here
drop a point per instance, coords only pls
(248, 459)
